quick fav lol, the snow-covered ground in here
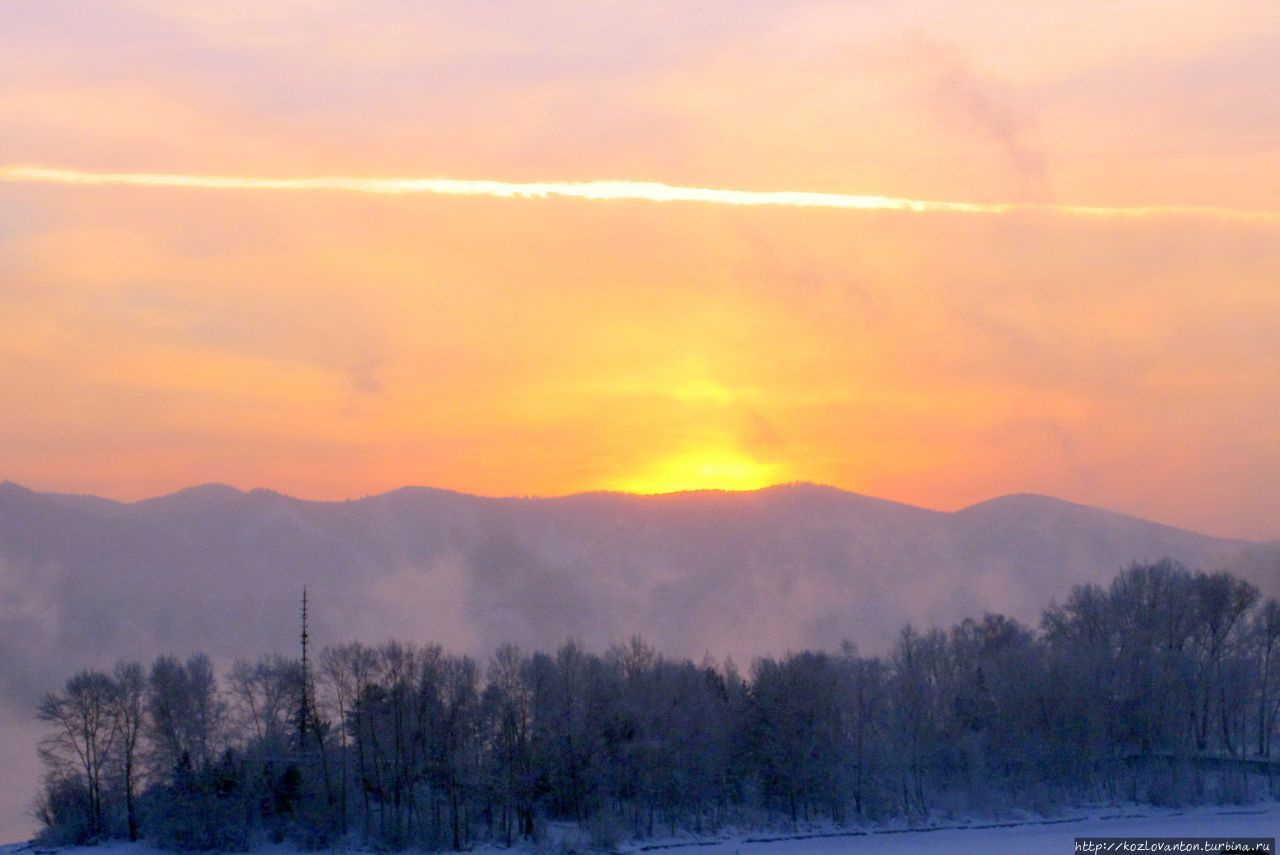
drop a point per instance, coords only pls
(1048, 836)
(1030, 837)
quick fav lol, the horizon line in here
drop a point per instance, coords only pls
(531, 497)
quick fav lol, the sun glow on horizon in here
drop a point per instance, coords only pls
(704, 470)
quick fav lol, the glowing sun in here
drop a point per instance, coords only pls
(702, 470)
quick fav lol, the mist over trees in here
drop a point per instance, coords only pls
(1163, 686)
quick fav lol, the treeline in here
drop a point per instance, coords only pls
(1122, 693)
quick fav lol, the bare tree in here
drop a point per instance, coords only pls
(1267, 633)
(131, 685)
(85, 728)
(185, 714)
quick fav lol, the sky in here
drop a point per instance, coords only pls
(328, 343)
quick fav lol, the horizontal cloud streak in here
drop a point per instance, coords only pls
(649, 191)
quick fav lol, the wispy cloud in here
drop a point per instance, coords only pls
(601, 190)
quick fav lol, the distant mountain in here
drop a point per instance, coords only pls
(84, 579)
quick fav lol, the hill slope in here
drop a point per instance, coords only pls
(218, 569)
(85, 581)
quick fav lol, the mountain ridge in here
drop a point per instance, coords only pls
(200, 494)
(213, 567)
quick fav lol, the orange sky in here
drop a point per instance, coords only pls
(330, 345)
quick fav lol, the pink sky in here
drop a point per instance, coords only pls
(330, 345)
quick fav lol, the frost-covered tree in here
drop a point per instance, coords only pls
(129, 714)
(1157, 686)
(185, 713)
(84, 729)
